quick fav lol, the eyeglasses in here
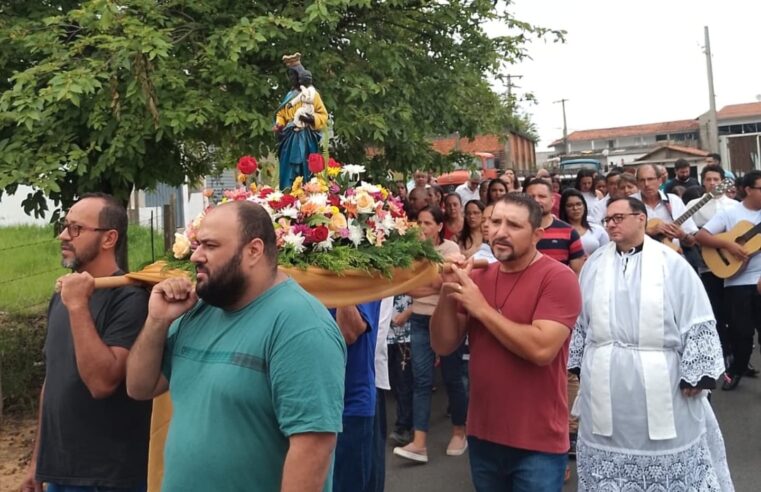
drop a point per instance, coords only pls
(76, 229)
(617, 218)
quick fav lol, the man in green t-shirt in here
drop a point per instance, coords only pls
(255, 368)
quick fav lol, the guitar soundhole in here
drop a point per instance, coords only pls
(723, 258)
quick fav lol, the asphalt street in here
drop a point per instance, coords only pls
(738, 412)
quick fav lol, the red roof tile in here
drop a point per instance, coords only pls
(677, 148)
(631, 131)
(739, 111)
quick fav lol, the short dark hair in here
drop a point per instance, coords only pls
(712, 168)
(525, 201)
(539, 181)
(612, 174)
(714, 156)
(583, 173)
(634, 204)
(113, 215)
(692, 193)
(255, 222)
(456, 195)
(751, 178)
(681, 164)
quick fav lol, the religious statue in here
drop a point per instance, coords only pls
(300, 117)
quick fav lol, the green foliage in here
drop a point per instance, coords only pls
(21, 361)
(397, 252)
(102, 95)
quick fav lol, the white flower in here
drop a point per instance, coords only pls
(290, 211)
(388, 224)
(181, 246)
(325, 245)
(370, 188)
(352, 170)
(197, 221)
(296, 241)
(355, 234)
(365, 203)
(275, 196)
(319, 199)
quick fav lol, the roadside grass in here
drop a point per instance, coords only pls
(30, 264)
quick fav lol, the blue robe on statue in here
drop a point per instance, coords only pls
(294, 146)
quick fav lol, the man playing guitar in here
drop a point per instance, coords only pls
(742, 299)
(665, 207)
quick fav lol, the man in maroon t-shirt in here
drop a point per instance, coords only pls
(518, 315)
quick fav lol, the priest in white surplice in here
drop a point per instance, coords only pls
(647, 348)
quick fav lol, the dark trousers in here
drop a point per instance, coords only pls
(714, 287)
(744, 308)
(400, 377)
(52, 487)
(378, 474)
(498, 468)
(355, 451)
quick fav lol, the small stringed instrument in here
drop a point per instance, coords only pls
(722, 263)
(720, 189)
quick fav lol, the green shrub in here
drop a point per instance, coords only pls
(21, 361)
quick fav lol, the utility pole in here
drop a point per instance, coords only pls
(713, 125)
(565, 126)
(510, 86)
(507, 160)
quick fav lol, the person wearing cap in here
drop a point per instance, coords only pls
(469, 190)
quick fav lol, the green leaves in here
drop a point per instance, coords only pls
(104, 95)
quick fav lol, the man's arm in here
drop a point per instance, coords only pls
(351, 323)
(307, 461)
(169, 300)
(705, 238)
(538, 342)
(447, 327)
(576, 264)
(102, 368)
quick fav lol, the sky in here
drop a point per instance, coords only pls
(635, 62)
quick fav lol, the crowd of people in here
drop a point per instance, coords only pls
(572, 324)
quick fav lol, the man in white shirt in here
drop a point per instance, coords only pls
(469, 190)
(666, 207)
(743, 301)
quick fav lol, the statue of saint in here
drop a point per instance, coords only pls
(300, 117)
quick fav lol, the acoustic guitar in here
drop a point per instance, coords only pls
(722, 263)
(720, 189)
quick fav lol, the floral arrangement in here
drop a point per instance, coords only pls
(333, 221)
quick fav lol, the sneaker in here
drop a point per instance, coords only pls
(751, 372)
(730, 382)
(400, 437)
(411, 453)
(572, 450)
(457, 446)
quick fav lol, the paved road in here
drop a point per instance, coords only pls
(738, 412)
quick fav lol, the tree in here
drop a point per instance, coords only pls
(109, 95)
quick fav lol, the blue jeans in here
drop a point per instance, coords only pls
(498, 468)
(378, 474)
(452, 369)
(52, 487)
(355, 451)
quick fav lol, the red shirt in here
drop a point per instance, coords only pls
(514, 402)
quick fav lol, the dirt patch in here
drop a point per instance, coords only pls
(16, 440)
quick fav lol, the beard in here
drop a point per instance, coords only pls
(79, 258)
(225, 287)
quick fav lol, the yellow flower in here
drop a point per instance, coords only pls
(383, 192)
(337, 222)
(181, 246)
(253, 188)
(334, 171)
(296, 189)
(242, 178)
(365, 203)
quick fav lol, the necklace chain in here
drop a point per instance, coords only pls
(509, 293)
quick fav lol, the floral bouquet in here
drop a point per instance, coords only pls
(334, 221)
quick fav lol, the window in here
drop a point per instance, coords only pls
(661, 138)
(611, 144)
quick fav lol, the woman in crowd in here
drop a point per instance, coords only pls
(484, 251)
(510, 180)
(573, 210)
(497, 189)
(627, 183)
(431, 223)
(470, 238)
(483, 190)
(600, 185)
(585, 181)
(436, 196)
(454, 219)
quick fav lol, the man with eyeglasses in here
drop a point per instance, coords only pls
(743, 301)
(663, 206)
(91, 435)
(646, 346)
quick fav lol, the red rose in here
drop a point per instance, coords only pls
(247, 165)
(285, 201)
(316, 163)
(333, 163)
(319, 234)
